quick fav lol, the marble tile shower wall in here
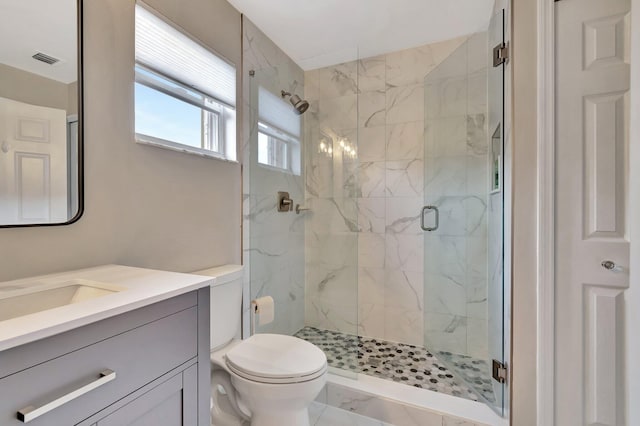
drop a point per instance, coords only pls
(457, 181)
(364, 245)
(273, 243)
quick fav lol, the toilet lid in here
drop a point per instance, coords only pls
(276, 358)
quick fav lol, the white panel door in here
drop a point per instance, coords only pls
(592, 91)
(33, 163)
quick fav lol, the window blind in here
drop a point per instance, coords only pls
(275, 111)
(166, 50)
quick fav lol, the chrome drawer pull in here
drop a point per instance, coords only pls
(31, 413)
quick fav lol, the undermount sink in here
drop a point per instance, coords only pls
(17, 302)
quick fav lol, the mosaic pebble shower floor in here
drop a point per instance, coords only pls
(408, 364)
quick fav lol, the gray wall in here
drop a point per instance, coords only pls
(145, 206)
(34, 89)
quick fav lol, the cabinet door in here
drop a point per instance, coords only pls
(171, 403)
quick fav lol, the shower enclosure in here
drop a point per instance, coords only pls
(393, 263)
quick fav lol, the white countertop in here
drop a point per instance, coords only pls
(142, 287)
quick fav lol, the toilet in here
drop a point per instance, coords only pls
(264, 380)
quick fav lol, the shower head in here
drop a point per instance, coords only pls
(300, 105)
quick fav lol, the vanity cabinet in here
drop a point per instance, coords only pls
(149, 366)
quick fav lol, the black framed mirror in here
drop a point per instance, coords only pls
(41, 113)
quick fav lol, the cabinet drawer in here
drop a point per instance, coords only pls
(137, 357)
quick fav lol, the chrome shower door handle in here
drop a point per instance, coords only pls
(435, 226)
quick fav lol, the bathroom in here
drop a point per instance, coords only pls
(357, 268)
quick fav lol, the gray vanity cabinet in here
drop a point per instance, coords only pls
(170, 403)
(149, 366)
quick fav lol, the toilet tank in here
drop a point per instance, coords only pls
(226, 303)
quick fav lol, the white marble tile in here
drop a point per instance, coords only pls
(371, 179)
(371, 73)
(338, 80)
(405, 141)
(454, 65)
(404, 178)
(258, 50)
(445, 176)
(402, 325)
(311, 117)
(404, 252)
(371, 320)
(405, 103)
(371, 215)
(410, 66)
(403, 216)
(447, 136)
(264, 181)
(445, 332)
(476, 138)
(454, 421)
(477, 175)
(319, 178)
(332, 416)
(476, 223)
(338, 113)
(380, 408)
(332, 249)
(371, 252)
(446, 294)
(332, 283)
(333, 315)
(316, 408)
(404, 289)
(477, 93)
(445, 255)
(453, 96)
(476, 258)
(332, 215)
(478, 53)
(372, 108)
(477, 298)
(431, 100)
(477, 338)
(371, 285)
(371, 143)
(453, 215)
(312, 85)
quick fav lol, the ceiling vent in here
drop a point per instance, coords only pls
(45, 58)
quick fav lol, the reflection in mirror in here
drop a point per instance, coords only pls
(40, 137)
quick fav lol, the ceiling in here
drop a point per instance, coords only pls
(31, 26)
(319, 33)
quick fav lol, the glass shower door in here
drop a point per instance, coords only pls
(499, 289)
(462, 218)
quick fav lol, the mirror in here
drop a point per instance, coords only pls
(40, 112)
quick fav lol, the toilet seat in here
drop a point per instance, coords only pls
(276, 359)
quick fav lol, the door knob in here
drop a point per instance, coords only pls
(608, 264)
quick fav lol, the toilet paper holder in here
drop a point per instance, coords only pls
(266, 314)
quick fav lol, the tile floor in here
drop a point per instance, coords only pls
(326, 415)
(412, 365)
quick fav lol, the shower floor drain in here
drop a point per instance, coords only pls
(408, 364)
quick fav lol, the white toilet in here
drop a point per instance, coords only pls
(265, 380)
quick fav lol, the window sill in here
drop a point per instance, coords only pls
(184, 149)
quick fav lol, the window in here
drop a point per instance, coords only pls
(278, 133)
(278, 149)
(184, 93)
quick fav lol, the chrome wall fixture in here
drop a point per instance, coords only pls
(300, 105)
